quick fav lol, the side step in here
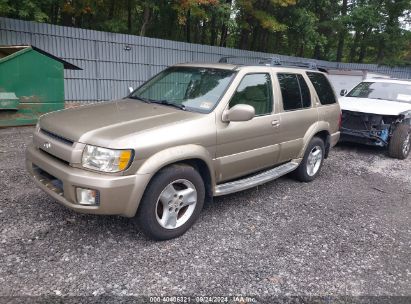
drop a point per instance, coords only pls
(255, 180)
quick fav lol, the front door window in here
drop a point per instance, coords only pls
(255, 90)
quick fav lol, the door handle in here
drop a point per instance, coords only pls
(275, 123)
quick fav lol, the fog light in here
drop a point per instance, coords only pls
(87, 197)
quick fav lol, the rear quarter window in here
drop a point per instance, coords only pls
(323, 88)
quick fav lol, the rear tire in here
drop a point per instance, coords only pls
(400, 142)
(171, 202)
(312, 161)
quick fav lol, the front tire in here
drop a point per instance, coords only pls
(400, 142)
(312, 162)
(171, 203)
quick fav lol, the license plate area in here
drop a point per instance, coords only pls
(48, 180)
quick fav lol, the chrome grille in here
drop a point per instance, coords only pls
(57, 137)
(55, 157)
(59, 147)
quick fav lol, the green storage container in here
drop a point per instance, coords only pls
(36, 78)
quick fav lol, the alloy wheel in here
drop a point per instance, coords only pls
(176, 204)
(314, 160)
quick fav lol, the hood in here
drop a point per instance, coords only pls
(374, 106)
(102, 123)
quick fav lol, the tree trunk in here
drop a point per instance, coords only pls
(129, 16)
(301, 50)
(111, 11)
(203, 32)
(363, 46)
(380, 53)
(243, 43)
(341, 36)
(197, 30)
(66, 19)
(317, 52)
(188, 26)
(264, 41)
(224, 28)
(223, 37)
(277, 42)
(353, 50)
(53, 13)
(146, 20)
(255, 35)
(213, 30)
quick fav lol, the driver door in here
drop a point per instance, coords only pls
(245, 147)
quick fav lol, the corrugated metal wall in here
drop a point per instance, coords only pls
(113, 62)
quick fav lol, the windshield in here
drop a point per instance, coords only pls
(383, 90)
(189, 88)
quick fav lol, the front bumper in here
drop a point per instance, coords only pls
(362, 137)
(118, 195)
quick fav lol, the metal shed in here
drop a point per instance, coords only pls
(31, 84)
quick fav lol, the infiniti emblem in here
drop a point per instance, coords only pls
(47, 145)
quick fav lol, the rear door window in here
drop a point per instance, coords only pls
(294, 90)
(323, 87)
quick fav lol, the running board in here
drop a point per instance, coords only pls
(255, 180)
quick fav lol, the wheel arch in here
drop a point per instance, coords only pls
(321, 130)
(203, 169)
(325, 136)
(193, 155)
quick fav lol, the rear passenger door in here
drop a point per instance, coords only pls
(297, 113)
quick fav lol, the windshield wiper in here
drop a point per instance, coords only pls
(163, 102)
(172, 104)
(146, 100)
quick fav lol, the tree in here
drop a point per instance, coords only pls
(257, 19)
(342, 30)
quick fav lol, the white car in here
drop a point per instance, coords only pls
(378, 112)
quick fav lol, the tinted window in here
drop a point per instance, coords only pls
(255, 90)
(324, 90)
(294, 91)
(305, 91)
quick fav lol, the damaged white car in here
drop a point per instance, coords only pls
(378, 112)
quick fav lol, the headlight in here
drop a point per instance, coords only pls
(106, 160)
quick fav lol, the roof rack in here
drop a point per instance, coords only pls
(275, 61)
(270, 61)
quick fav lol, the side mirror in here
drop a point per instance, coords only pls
(240, 112)
(343, 92)
(130, 89)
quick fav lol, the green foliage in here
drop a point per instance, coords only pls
(5, 8)
(268, 21)
(351, 30)
(303, 34)
(25, 9)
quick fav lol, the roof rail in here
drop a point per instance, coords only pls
(309, 65)
(275, 61)
(262, 60)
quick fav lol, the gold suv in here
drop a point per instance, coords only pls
(191, 132)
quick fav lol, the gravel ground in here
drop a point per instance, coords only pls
(346, 233)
